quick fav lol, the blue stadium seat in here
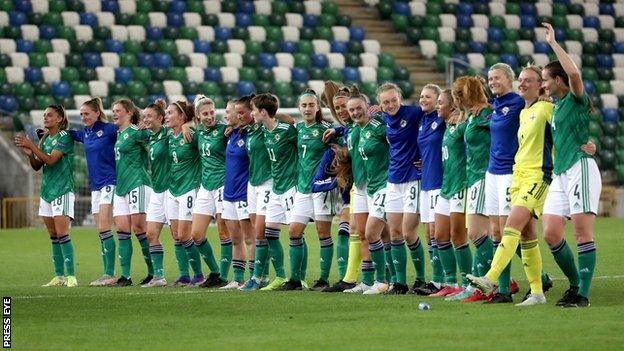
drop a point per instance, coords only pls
(245, 88)
(591, 22)
(154, 97)
(91, 59)
(47, 32)
(33, 74)
(222, 33)
(177, 6)
(339, 47)
(8, 103)
(402, 8)
(541, 47)
(26, 46)
(590, 88)
(288, 46)
(464, 21)
(246, 7)
(604, 61)
(153, 33)
(319, 61)
(356, 33)
(610, 115)
(162, 60)
(477, 46)
(351, 74)
(528, 21)
(511, 60)
(606, 9)
(17, 18)
(145, 59)
(528, 9)
(560, 34)
(113, 45)
(299, 75)
(110, 6)
(88, 19)
(212, 74)
(123, 74)
(267, 60)
(61, 89)
(175, 19)
(243, 19)
(23, 6)
(310, 20)
(618, 47)
(495, 34)
(464, 8)
(201, 46)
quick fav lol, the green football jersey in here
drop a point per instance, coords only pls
(374, 150)
(281, 144)
(131, 160)
(160, 163)
(259, 164)
(185, 163)
(310, 148)
(58, 179)
(211, 143)
(570, 130)
(357, 164)
(453, 160)
(477, 138)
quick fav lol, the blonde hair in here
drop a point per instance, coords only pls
(96, 105)
(509, 72)
(433, 87)
(200, 101)
(387, 87)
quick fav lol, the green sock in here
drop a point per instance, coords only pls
(463, 256)
(304, 261)
(239, 270)
(437, 273)
(267, 262)
(125, 253)
(157, 254)
(109, 246)
(327, 254)
(484, 254)
(205, 250)
(262, 250)
(342, 249)
(565, 260)
(193, 256)
(276, 252)
(587, 264)
(57, 258)
(67, 248)
(390, 269)
(504, 279)
(181, 259)
(296, 258)
(418, 258)
(379, 260)
(399, 261)
(142, 237)
(449, 264)
(368, 272)
(226, 258)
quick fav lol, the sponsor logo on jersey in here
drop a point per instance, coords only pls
(403, 123)
(99, 133)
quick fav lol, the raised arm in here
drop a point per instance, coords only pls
(574, 75)
(24, 142)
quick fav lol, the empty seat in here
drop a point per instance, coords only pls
(119, 33)
(336, 60)
(606, 22)
(194, 74)
(574, 47)
(541, 59)
(574, 21)
(312, 7)
(51, 74)
(617, 87)
(184, 46)
(14, 74)
(369, 60)
(512, 21)
(317, 85)
(19, 59)
(206, 33)
(83, 32)
(290, 33)
(257, 33)
(294, 20)
(367, 74)
(371, 46)
(321, 46)
(40, 6)
(172, 87)
(157, 19)
(609, 100)
(428, 48)
(590, 35)
(233, 60)
(543, 9)
(476, 60)
(236, 46)
(525, 47)
(618, 72)
(497, 8)
(70, 18)
(79, 100)
(479, 34)
(104, 19)
(227, 20)
(229, 74)
(61, 46)
(448, 20)
(480, 21)
(98, 88)
(126, 6)
(263, 7)
(192, 19)
(282, 74)
(105, 74)
(7, 46)
(30, 32)
(340, 33)
(198, 60)
(136, 33)
(446, 34)
(285, 60)
(417, 9)
(212, 7)
(56, 59)
(110, 59)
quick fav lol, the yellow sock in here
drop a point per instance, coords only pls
(532, 262)
(355, 258)
(504, 253)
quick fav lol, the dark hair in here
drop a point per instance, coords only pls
(187, 109)
(129, 106)
(309, 92)
(245, 100)
(555, 69)
(267, 102)
(64, 120)
(96, 105)
(159, 107)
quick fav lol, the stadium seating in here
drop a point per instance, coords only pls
(62, 50)
(481, 33)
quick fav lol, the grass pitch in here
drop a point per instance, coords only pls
(85, 318)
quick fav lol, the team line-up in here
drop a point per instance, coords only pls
(472, 169)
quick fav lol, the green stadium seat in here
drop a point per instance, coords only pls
(274, 33)
(75, 5)
(279, 7)
(329, 7)
(400, 22)
(271, 46)
(140, 19)
(127, 60)
(73, 59)
(401, 73)
(588, 60)
(38, 60)
(79, 87)
(181, 61)
(42, 88)
(416, 21)
(155, 87)
(191, 88)
(355, 47)
(282, 88)
(491, 59)
(433, 9)
(323, 33)
(277, 20)
(589, 73)
(576, 9)
(406, 87)
(13, 32)
(327, 20)
(343, 20)
(210, 20)
(510, 47)
(559, 9)
(57, 6)
(369, 88)
(5, 60)
(142, 74)
(189, 33)
(414, 35)
(96, 46)
(43, 101)
(353, 60)
(430, 34)
(251, 60)
(574, 34)
(117, 88)
(306, 33)
(333, 74)
(296, 7)
(70, 74)
(136, 88)
(264, 74)
(445, 48)
(26, 103)
(497, 22)
(605, 47)
(385, 74)
(459, 47)
(6, 5)
(602, 87)
(316, 73)
(240, 33)
(512, 8)
(386, 60)
(163, 6)
(167, 46)
(260, 20)
(527, 34)
(463, 34)
(302, 60)
(43, 46)
(209, 88)
(158, 74)
(264, 87)
(101, 33)
(123, 19)
(177, 74)
(195, 6)
(228, 89)
(511, 34)
(253, 47)
(606, 35)
(248, 74)
(67, 102)
(63, 32)
(220, 47)
(2, 78)
(305, 47)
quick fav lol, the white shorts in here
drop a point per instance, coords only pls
(576, 190)
(316, 206)
(456, 204)
(497, 195)
(280, 207)
(182, 207)
(404, 197)
(235, 211)
(377, 204)
(61, 206)
(359, 200)
(100, 197)
(134, 202)
(428, 201)
(209, 202)
(476, 198)
(159, 207)
(258, 197)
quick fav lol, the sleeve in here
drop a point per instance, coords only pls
(583, 100)
(292, 135)
(77, 135)
(341, 130)
(65, 144)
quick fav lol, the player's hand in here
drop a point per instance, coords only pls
(22, 141)
(418, 164)
(550, 33)
(589, 148)
(142, 125)
(186, 131)
(329, 134)
(372, 109)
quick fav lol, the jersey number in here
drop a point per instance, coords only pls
(380, 200)
(413, 193)
(134, 198)
(433, 201)
(174, 156)
(189, 202)
(305, 148)
(206, 150)
(363, 154)
(445, 154)
(292, 202)
(266, 196)
(117, 155)
(272, 155)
